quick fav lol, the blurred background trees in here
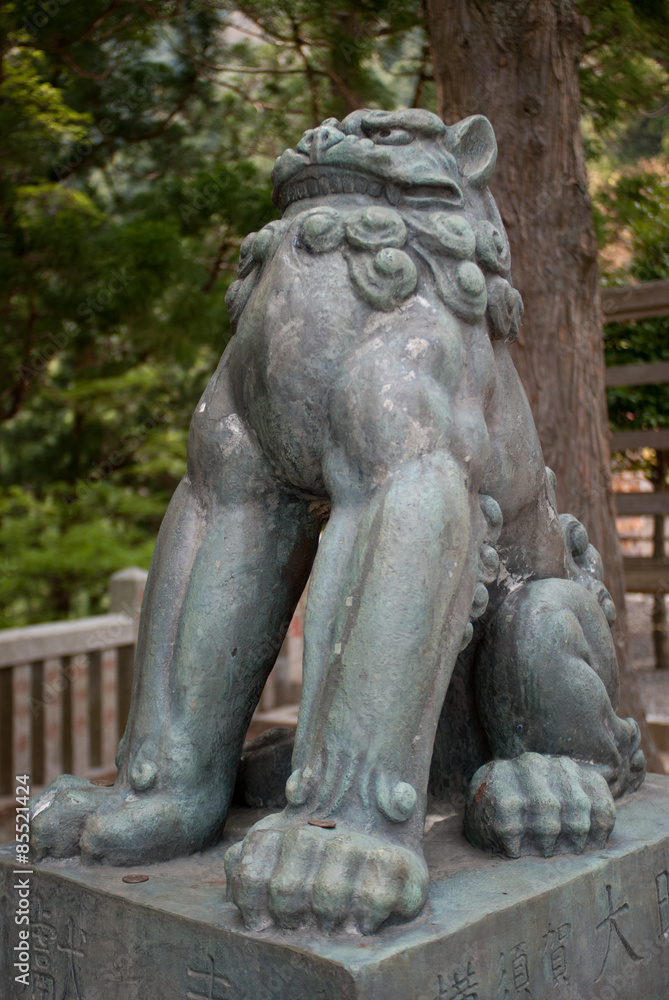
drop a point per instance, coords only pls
(136, 144)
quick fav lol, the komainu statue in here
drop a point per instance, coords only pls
(366, 426)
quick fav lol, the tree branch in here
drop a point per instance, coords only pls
(257, 104)
(345, 90)
(218, 68)
(112, 31)
(423, 76)
(62, 42)
(310, 75)
(268, 36)
(213, 274)
(152, 14)
(69, 61)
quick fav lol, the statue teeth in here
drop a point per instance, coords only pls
(392, 194)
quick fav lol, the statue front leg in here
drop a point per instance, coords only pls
(348, 846)
(232, 558)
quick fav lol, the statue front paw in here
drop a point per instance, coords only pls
(58, 815)
(288, 873)
(538, 805)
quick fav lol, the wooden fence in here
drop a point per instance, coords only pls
(55, 676)
(65, 692)
(646, 300)
(644, 575)
(637, 302)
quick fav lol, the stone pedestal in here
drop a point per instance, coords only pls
(594, 927)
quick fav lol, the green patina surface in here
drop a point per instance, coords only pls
(593, 927)
(457, 630)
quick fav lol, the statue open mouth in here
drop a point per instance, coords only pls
(320, 181)
(400, 157)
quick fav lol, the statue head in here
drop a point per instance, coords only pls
(409, 159)
(398, 194)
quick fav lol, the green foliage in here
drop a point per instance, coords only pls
(625, 92)
(623, 67)
(56, 561)
(117, 446)
(636, 208)
(137, 144)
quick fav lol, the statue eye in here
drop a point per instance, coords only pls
(392, 137)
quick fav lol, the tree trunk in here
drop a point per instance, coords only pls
(516, 62)
(660, 618)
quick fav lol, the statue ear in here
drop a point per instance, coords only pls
(475, 149)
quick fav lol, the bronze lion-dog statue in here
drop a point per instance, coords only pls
(368, 387)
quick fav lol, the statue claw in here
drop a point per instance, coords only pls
(538, 805)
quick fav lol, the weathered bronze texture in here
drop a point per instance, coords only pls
(593, 926)
(369, 385)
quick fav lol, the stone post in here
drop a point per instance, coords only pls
(126, 590)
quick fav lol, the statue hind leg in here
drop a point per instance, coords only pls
(232, 558)
(547, 689)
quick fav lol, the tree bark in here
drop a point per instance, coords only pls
(516, 62)
(660, 618)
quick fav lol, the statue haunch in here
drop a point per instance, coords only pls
(369, 380)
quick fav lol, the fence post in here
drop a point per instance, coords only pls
(126, 590)
(660, 623)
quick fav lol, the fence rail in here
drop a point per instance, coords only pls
(646, 576)
(49, 672)
(69, 638)
(633, 440)
(641, 504)
(641, 374)
(65, 691)
(643, 301)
